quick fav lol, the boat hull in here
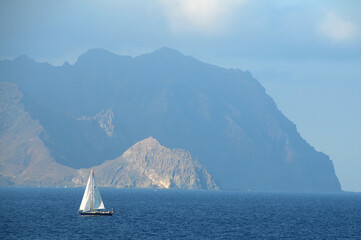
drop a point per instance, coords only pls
(97, 213)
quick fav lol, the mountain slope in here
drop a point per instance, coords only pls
(223, 116)
(24, 158)
(147, 164)
(26, 161)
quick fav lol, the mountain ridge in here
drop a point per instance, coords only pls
(223, 116)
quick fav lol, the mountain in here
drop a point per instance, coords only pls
(99, 107)
(26, 161)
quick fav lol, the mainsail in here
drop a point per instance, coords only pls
(91, 198)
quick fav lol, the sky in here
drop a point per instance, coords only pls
(307, 54)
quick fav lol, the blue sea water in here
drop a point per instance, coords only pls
(47, 213)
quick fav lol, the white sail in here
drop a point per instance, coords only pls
(97, 199)
(85, 203)
(91, 198)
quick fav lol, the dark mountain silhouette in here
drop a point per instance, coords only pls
(103, 104)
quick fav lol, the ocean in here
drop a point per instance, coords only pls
(51, 213)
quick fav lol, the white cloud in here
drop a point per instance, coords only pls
(336, 28)
(201, 16)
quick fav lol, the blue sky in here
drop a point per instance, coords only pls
(307, 54)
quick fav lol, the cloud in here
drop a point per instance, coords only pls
(336, 28)
(200, 16)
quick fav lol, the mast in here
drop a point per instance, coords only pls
(92, 191)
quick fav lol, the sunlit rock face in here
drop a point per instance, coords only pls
(148, 164)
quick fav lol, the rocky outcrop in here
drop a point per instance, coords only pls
(148, 164)
(105, 120)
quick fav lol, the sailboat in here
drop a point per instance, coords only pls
(92, 203)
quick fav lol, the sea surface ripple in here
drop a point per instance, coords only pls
(51, 213)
